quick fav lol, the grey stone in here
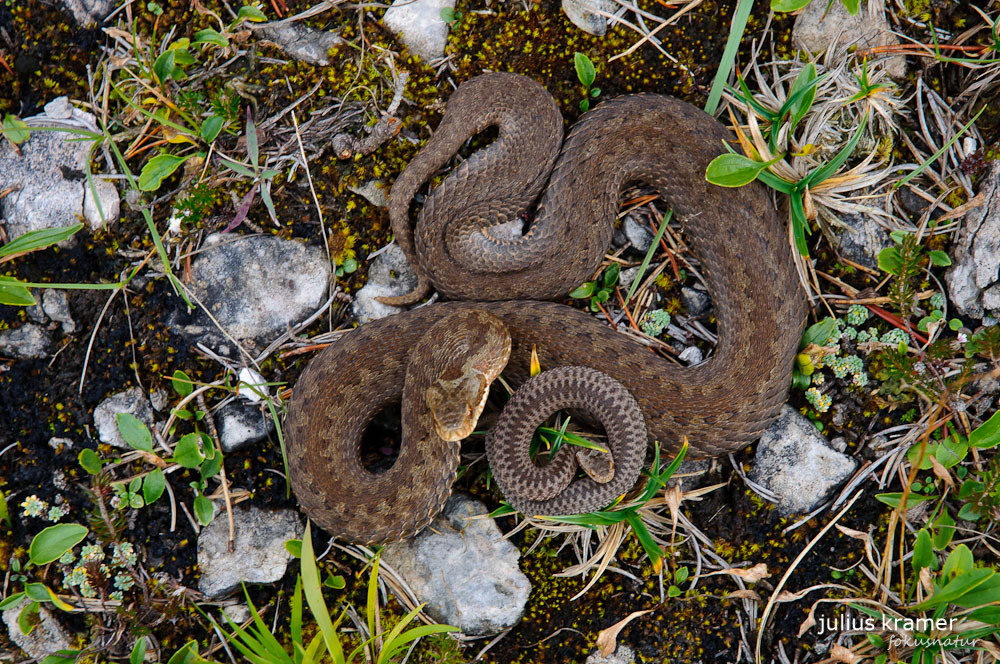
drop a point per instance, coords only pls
(389, 274)
(622, 655)
(464, 569)
(241, 425)
(691, 356)
(110, 203)
(627, 276)
(639, 235)
(46, 173)
(132, 401)
(817, 28)
(618, 239)
(862, 239)
(973, 280)
(256, 287)
(373, 191)
(47, 638)
(258, 556)
(795, 462)
(696, 300)
(87, 12)
(238, 613)
(300, 41)
(584, 14)
(27, 342)
(419, 25)
(56, 306)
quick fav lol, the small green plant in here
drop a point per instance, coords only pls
(15, 292)
(259, 645)
(349, 266)
(586, 73)
(49, 545)
(451, 16)
(14, 129)
(261, 178)
(904, 262)
(598, 292)
(629, 513)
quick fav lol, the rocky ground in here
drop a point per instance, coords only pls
(228, 168)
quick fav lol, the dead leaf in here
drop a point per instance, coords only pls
(808, 623)
(747, 593)
(941, 472)
(841, 654)
(607, 638)
(925, 580)
(749, 574)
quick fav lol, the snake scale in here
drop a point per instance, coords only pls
(469, 242)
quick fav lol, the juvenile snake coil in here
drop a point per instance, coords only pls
(438, 360)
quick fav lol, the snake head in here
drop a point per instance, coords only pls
(457, 403)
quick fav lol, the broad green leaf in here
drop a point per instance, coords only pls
(164, 65)
(611, 275)
(988, 434)
(944, 530)
(585, 71)
(153, 485)
(735, 170)
(188, 452)
(15, 129)
(37, 592)
(336, 582)
(819, 333)
(187, 654)
(852, 6)
(4, 514)
(950, 452)
(211, 127)
(90, 461)
(889, 260)
(14, 294)
(986, 593)
(40, 239)
(251, 136)
(893, 499)
(11, 601)
(939, 258)
(135, 432)
(54, 541)
(988, 614)
(788, 5)
(294, 547)
(210, 36)
(801, 94)
(586, 289)
(960, 561)
(953, 591)
(138, 654)
(923, 551)
(27, 619)
(251, 13)
(969, 512)
(157, 170)
(181, 383)
(210, 467)
(238, 167)
(204, 510)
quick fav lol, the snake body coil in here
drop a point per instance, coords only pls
(720, 405)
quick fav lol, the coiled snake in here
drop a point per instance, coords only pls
(438, 360)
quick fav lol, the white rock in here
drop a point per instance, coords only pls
(252, 386)
(816, 28)
(584, 14)
(691, 356)
(621, 655)
(419, 25)
(795, 462)
(238, 613)
(240, 426)
(638, 234)
(974, 278)
(133, 401)
(464, 569)
(373, 191)
(300, 42)
(696, 300)
(107, 195)
(56, 306)
(255, 286)
(258, 556)
(87, 12)
(47, 638)
(861, 239)
(389, 274)
(27, 342)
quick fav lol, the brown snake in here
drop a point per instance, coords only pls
(464, 245)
